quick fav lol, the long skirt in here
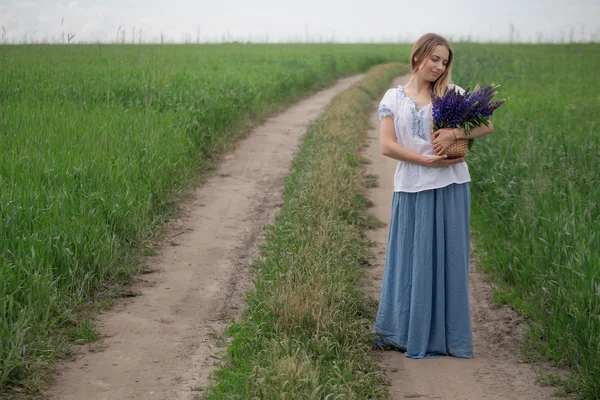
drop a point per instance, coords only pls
(424, 302)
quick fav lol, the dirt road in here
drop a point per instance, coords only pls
(495, 372)
(162, 344)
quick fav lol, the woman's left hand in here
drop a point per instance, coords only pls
(441, 140)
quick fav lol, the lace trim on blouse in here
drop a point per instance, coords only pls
(384, 112)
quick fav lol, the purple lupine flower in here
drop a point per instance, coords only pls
(466, 110)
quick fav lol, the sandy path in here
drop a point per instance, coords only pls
(162, 344)
(495, 372)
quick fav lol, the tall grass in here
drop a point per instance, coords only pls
(96, 144)
(305, 333)
(537, 194)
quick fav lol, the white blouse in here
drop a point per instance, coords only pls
(413, 131)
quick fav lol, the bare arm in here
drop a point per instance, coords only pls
(390, 148)
(444, 138)
(480, 131)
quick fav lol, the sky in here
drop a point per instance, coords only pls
(180, 21)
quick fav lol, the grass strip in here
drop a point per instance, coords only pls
(305, 331)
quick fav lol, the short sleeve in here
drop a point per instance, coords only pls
(388, 105)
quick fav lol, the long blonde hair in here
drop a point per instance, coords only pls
(423, 49)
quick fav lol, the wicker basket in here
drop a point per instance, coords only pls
(458, 149)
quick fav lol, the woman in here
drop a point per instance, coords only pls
(424, 301)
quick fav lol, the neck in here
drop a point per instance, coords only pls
(419, 85)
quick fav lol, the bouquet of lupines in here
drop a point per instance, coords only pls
(465, 110)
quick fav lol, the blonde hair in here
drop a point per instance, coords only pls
(423, 49)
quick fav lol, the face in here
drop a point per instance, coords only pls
(434, 65)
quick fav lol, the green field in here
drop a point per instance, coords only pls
(96, 144)
(536, 195)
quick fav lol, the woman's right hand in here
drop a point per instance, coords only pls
(442, 161)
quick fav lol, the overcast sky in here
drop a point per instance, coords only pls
(283, 21)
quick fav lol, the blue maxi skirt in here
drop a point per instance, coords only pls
(424, 302)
